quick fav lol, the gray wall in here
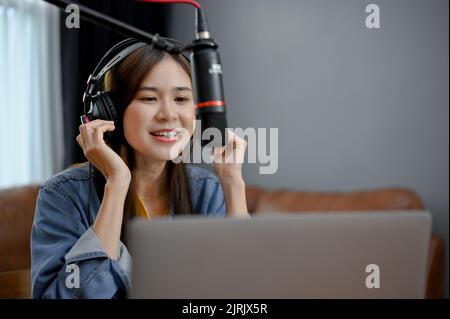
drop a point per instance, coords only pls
(356, 108)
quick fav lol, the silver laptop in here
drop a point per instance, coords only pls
(337, 255)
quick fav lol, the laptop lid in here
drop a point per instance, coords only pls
(331, 255)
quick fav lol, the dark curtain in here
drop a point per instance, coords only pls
(82, 48)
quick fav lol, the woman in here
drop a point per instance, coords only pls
(77, 239)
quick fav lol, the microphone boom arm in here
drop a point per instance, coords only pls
(114, 24)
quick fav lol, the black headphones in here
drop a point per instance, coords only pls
(99, 104)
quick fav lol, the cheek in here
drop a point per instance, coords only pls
(134, 122)
(188, 119)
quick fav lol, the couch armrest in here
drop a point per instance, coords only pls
(15, 284)
(16, 217)
(435, 272)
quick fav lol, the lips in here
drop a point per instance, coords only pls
(166, 135)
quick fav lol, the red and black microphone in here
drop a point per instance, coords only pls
(206, 76)
(208, 82)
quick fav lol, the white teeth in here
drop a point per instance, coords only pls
(167, 134)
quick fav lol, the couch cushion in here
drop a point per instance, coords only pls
(380, 199)
(252, 194)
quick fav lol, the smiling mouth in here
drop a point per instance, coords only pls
(167, 136)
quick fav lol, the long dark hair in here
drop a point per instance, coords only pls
(122, 83)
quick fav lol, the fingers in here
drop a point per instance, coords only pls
(80, 141)
(232, 152)
(93, 131)
(231, 140)
(91, 134)
(97, 123)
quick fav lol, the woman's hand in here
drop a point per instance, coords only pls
(228, 161)
(108, 162)
(229, 158)
(108, 222)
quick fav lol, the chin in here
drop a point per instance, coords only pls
(164, 152)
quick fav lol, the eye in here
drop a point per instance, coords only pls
(148, 99)
(181, 99)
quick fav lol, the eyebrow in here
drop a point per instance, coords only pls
(151, 88)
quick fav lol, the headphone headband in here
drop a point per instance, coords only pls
(112, 62)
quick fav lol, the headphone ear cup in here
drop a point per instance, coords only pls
(102, 108)
(112, 115)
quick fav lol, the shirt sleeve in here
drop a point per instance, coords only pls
(67, 258)
(216, 203)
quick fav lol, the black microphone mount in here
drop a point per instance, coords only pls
(105, 21)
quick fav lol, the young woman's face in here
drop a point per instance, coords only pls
(160, 120)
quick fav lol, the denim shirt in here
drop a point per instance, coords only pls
(62, 236)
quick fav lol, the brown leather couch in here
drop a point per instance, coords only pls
(17, 211)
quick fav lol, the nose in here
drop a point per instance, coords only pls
(166, 112)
